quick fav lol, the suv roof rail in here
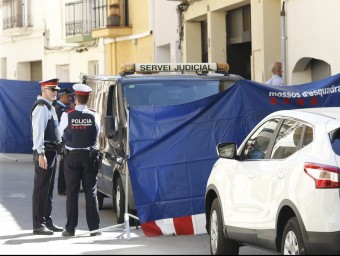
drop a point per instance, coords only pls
(152, 68)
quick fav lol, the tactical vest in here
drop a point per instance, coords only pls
(49, 134)
(60, 110)
(81, 130)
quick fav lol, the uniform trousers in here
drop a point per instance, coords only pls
(61, 177)
(79, 168)
(43, 191)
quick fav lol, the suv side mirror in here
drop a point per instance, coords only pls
(109, 126)
(227, 150)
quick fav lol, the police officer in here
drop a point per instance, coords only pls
(45, 136)
(62, 104)
(80, 130)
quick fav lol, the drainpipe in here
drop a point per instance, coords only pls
(182, 7)
(283, 43)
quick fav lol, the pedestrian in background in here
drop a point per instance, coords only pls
(62, 104)
(45, 135)
(80, 130)
(276, 78)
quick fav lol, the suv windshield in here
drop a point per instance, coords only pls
(171, 92)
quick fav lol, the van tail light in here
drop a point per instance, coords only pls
(325, 176)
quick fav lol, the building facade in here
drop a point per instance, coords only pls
(42, 39)
(252, 34)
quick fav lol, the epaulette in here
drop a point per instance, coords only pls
(40, 103)
(91, 109)
(70, 110)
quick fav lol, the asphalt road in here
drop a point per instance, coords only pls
(16, 185)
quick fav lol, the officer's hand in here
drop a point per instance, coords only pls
(43, 162)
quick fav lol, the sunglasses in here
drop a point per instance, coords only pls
(52, 89)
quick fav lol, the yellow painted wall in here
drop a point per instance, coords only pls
(137, 47)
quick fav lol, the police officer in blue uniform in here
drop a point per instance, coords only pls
(45, 135)
(62, 104)
(80, 130)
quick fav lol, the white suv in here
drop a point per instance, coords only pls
(280, 189)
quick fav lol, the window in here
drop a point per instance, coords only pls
(335, 140)
(171, 92)
(257, 145)
(288, 140)
(79, 17)
(308, 136)
(12, 14)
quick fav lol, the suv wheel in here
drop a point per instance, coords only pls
(119, 200)
(292, 242)
(219, 244)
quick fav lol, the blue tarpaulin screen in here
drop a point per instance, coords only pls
(16, 100)
(172, 148)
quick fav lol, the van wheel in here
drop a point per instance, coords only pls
(219, 244)
(100, 198)
(292, 242)
(118, 197)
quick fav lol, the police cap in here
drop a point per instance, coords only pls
(81, 89)
(50, 83)
(65, 91)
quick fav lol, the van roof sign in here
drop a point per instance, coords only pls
(174, 67)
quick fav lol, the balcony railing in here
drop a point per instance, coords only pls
(12, 22)
(83, 16)
(111, 14)
(79, 16)
(13, 13)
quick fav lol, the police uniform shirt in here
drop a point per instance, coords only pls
(40, 117)
(62, 104)
(84, 109)
(61, 108)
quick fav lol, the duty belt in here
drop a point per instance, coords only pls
(50, 146)
(74, 151)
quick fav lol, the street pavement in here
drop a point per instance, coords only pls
(16, 186)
